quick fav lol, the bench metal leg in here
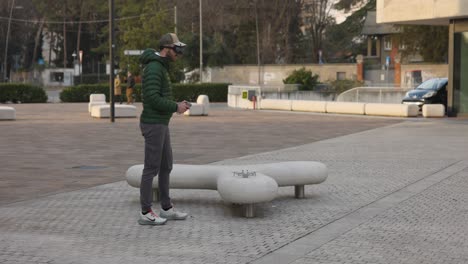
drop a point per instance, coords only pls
(156, 195)
(299, 191)
(249, 210)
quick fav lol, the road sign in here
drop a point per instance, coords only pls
(133, 52)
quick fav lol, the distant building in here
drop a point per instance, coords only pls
(382, 41)
(452, 13)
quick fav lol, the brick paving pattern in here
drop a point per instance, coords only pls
(395, 192)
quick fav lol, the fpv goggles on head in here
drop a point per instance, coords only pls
(177, 49)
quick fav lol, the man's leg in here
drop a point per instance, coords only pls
(165, 170)
(129, 92)
(167, 211)
(154, 135)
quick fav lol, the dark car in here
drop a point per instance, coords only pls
(432, 91)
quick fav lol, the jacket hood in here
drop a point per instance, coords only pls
(150, 55)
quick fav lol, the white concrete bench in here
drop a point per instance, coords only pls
(275, 104)
(345, 108)
(241, 184)
(433, 110)
(403, 110)
(309, 106)
(96, 99)
(201, 107)
(103, 111)
(7, 113)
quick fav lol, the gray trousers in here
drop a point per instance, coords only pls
(158, 161)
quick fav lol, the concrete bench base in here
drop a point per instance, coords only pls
(433, 110)
(96, 99)
(201, 107)
(103, 111)
(403, 110)
(243, 184)
(345, 108)
(7, 113)
(195, 110)
(275, 104)
(309, 106)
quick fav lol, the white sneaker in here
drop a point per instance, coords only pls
(151, 218)
(172, 214)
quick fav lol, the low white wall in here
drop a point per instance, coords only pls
(345, 108)
(309, 106)
(403, 110)
(376, 109)
(433, 110)
(272, 104)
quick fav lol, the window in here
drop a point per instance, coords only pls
(402, 46)
(387, 43)
(56, 76)
(341, 75)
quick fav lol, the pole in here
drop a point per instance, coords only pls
(175, 19)
(258, 42)
(81, 75)
(201, 44)
(111, 55)
(5, 59)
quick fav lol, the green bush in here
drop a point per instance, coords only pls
(24, 93)
(217, 92)
(340, 86)
(306, 80)
(80, 93)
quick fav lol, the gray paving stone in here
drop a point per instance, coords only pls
(365, 193)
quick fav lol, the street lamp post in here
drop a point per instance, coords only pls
(258, 42)
(111, 58)
(74, 65)
(201, 43)
(5, 59)
(81, 62)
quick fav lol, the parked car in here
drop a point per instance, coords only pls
(432, 91)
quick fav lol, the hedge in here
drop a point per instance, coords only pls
(20, 92)
(80, 93)
(217, 92)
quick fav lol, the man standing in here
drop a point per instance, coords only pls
(130, 86)
(158, 107)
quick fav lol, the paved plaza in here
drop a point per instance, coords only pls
(396, 191)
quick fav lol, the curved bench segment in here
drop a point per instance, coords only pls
(241, 184)
(205, 176)
(182, 177)
(235, 189)
(293, 172)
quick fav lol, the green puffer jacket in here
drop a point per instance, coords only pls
(158, 104)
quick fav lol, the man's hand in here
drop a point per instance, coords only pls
(182, 107)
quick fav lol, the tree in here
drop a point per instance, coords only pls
(318, 20)
(431, 42)
(231, 28)
(344, 41)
